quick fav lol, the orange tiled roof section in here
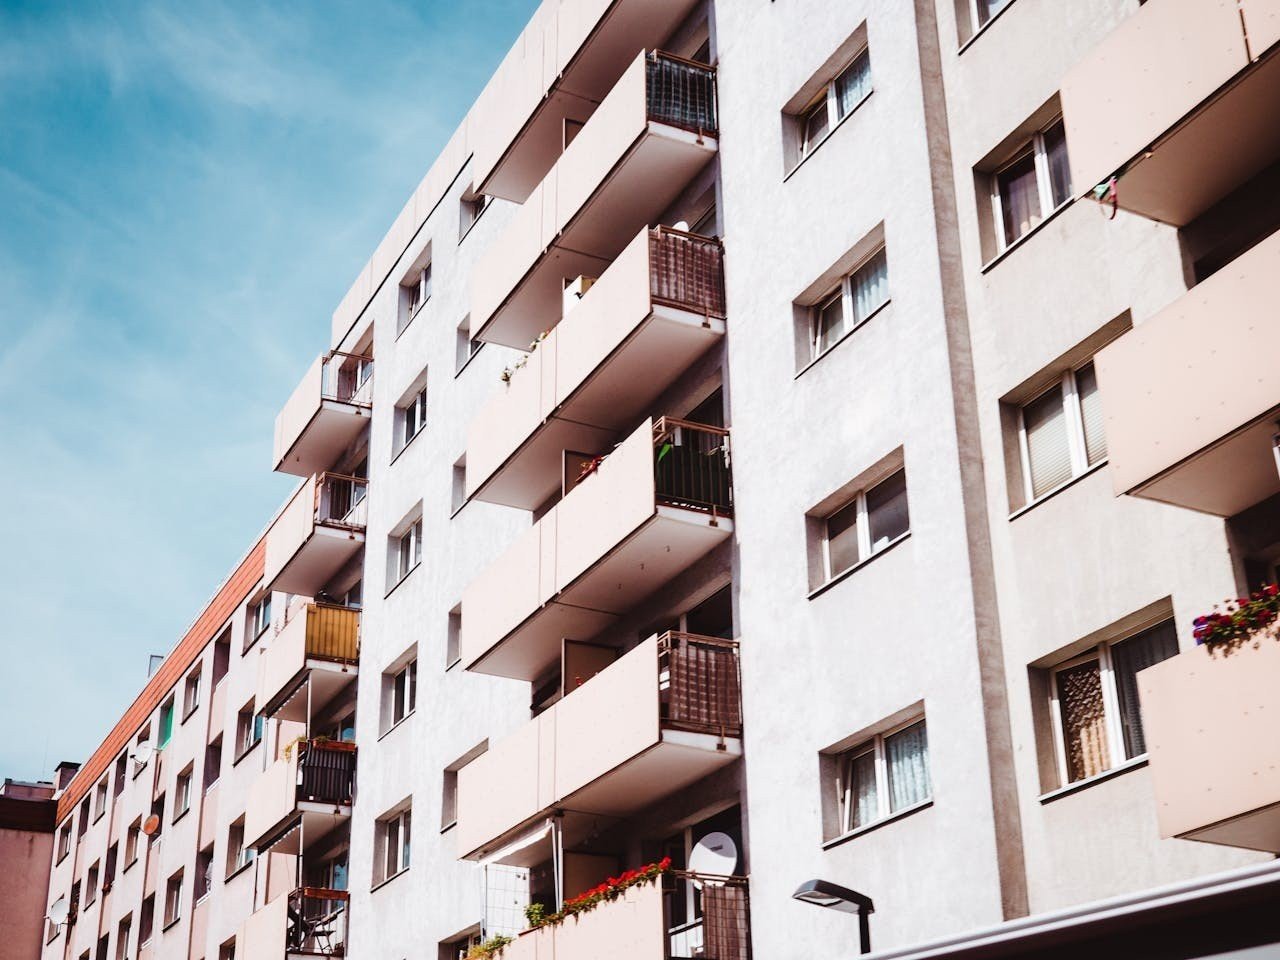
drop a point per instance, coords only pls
(210, 621)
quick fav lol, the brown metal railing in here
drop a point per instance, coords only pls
(326, 771)
(347, 378)
(723, 931)
(691, 466)
(341, 501)
(687, 271)
(682, 93)
(333, 632)
(317, 922)
(702, 691)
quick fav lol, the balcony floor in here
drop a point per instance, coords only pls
(319, 557)
(333, 428)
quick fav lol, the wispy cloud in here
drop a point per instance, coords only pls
(187, 190)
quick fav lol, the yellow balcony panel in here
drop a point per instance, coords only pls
(651, 135)
(1180, 100)
(1210, 724)
(310, 661)
(1191, 395)
(658, 503)
(566, 61)
(657, 308)
(317, 532)
(327, 411)
(663, 716)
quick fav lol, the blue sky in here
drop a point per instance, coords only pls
(186, 191)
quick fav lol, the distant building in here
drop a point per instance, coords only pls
(27, 818)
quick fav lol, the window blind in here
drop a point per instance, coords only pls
(1048, 445)
(1128, 657)
(1084, 725)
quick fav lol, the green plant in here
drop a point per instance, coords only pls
(288, 747)
(606, 892)
(490, 948)
(536, 914)
(1240, 621)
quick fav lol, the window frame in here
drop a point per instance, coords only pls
(413, 537)
(255, 728)
(414, 414)
(976, 11)
(182, 793)
(1077, 445)
(239, 855)
(172, 900)
(862, 527)
(132, 840)
(849, 321)
(846, 800)
(259, 617)
(417, 293)
(401, 819)
(830, 98)
(409, 674)
(1035, 147)
(191, 692)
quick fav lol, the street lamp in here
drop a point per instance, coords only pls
(822, 893)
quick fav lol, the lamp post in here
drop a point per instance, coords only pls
(822, 893)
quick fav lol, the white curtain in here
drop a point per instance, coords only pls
(1019, 197)
(870, 287)
(862, 805)
(853, 85)
(907, 757)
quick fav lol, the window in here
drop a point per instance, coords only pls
(104, 942)
(392, 854)
(415, 292)
(204, 872)
(836, 101)
(173, 899)
(157, 810)
(470, 210)
(122, 938)
(412, 416)
(883, 776)
(1096, 715)
(64, 839)
(458, 491)
(238, 855)
(166, 724)
(182, 794)
(1032, 185)
(401, 693)
(873, 520)
(408, 551)
(212, 763)
(100, 799)
(228, 950)
(259, 618)
(1060, 432)
(453, 638)
(147, 919)
(84, 819)
(248, 730)
(459, 947)
(131, 843)
(221, 657)
(191, 693)
(122, 764)
(143, 737)
(860, 295)
(984, 10)
(465, 346)
(91, 883)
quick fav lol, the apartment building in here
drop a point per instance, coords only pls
(27, 817)
(804, 438)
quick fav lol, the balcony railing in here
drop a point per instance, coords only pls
(682, 93)
(326, 772)
(341, 501)
(686, 271)
(347, 378)
(723, 932)
(699, 684)
(691, 466)
(317, 922)
(332, 631)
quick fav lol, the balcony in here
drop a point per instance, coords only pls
(326, 413)
(1191, 395)
(639, 926)
(309, 922)
(630, 523)
(309, 662)
(566, 61)
(302, 797)
(657, 308)
(649, 138)
(317, 532)
(1211, 733)
(659, 718)
(1179, 102)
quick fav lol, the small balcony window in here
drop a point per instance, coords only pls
(204, 872)
(173, 899)
(239, 856)
(1060, 433)
(249, 727)
(859, 295)
(873, 520)
(835, 101)
(1035, 183)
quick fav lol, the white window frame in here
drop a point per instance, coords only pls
(849, 320)
(979, 21)
(409, 550)
(408, 676)
(862, 525)
(1110, 709)
(846, 801)
(173, 901)
(243, 854)
(418, 292)
(1076, 445)
(260, 615)
(832, 101)
(132, 839)
(182, 792)
(100, 791)
(1044, 185)
(413, 417)
(122, 937)
(191, 692)
(399, 819)
(64, 839)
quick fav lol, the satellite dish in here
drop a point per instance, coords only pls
(58, 911)
(714, 855)
(142, 753)
(681, 225)
(151, 825)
